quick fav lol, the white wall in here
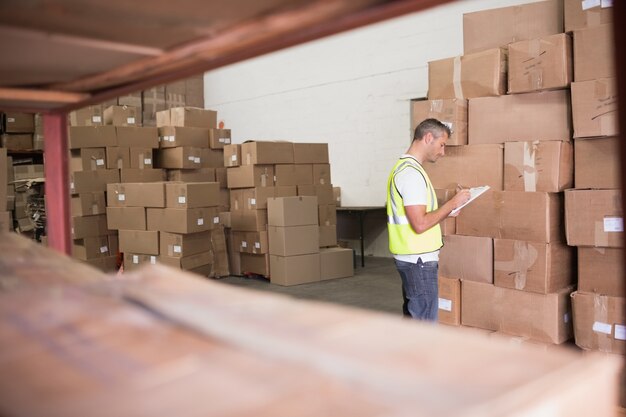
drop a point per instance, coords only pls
(351, 90)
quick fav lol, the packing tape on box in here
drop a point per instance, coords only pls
(120, 162)
(601, 327)
(94, 208)
(524, 257)
(456, 78)
(529, 171)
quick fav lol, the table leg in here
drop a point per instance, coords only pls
(361, 238)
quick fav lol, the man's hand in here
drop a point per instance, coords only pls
(459, 199)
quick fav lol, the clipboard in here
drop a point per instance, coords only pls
(474, 194)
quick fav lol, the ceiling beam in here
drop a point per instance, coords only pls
(22, 95)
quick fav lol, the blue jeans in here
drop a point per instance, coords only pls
(419, 289)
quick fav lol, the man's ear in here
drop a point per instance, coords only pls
(428, 138)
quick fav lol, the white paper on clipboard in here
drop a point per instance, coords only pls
(474, 193)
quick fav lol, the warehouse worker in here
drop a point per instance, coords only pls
(414, 217)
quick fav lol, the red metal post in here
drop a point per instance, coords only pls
(56, 156)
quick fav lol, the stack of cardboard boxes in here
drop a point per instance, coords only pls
(593, 210)
(17, 131)
(6, 174)
(509, 252)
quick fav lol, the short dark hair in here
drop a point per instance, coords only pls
(433, 126)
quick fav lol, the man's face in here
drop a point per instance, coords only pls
(436, 147)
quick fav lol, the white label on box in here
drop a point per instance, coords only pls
(200, 221)
(103, 249)
(99, 161)
(588, 4)
(191, 158)
(171, 138)
(96, 119)
(135, 259)
(233, 157)
(253, 201)
(257, 245)
(613, 224)
(10, 119)
(224, 140)
(445, 304)
(147, 161)
(216, 220)
(182, 199)
(244, 244)
(196, 160)
(153, 260)
(607, 3)
(600, 327)
(177, 249)
(620, 332)
(121, 197)
(71, 185)
(130, 120)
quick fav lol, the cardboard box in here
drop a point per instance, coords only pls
(324, 193)
(142, 175)
(122, 116)
(141, 158)
(38, 142)
(327, 214)
(183, 157)
(106, 264)
(540, 64)
(88, 226)
(139, 241)
(328, 236)
(25, 172)
(232, 155)
(596, 164)
(520, 118)
(212, 158)
(449, 302)
(451, 112)
(292, 211)
(188, 262)
(193, 175)
(134, 100)
(467, 258)
(468, 166)
(541, 317)
(297, 174)
(593, 53)
(250, 176)
(6, 221)
(251, 242)
(175, 94)
(136, 194)
(87, 204)
(601, 271)
(599, 322)
(532, 266)
(224, 200)
(225, 219)
(535, 217)
(218, 138)
(579, 16)
(14, 122)
(538, 166)
(194, 91)
(221, 177)
(474, 75)
(179, 245)
(321, 174)
(172, 136)
(310, 153)
(220, 266)
(87, 159)
(294, 270)
(336, 263)
(133, 261)
(187, 117)
(249, 220)
(192, 195)
(87, 116)
(117, 157)
(176, 220)
(256, 198)
(293, 240)
(255, 264)
(91, 247)
(91, 136)
(594, 218)
(337, 196)
(92, 181)
(17, 142)
(153, 101)
(141, 137)
(256, 153)
(594, 108)
(496, 28)
(126, 218)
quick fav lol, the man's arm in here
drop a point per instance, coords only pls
(421, 221)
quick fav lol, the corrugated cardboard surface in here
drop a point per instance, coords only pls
(92, 247)
(122, 116)
(91, 136)
(467, 258)
(496, 28)
(88, 116)
(249, 220)
(177, 244)
(597, 164)
(126, 218)
(449, 301)
(87, 226)
(542, 317)
(451, 112)
(292, 211)
(87, 204)
(540, 64)
(576, 18)
(132, 261)
(218, 138)
(182, 157)
(106, 264)
(327, 214)
(328, 236)
(336, 263)
(17, 141)
(212, 158)
(193, 117)
(142, 175)
(192, 175)
(538, 166)
(594, 218)
(93, 181)
(593, 53)
(321, 174)
(474, 75)
(520, 117)
(601, 271)
(250, 176)
(255, 264)
(594, 108)
(293, 240)
(117, 157)
(324, 193)
(294, 270)
(147, 137)
(4, 177)
(253, 153)
(192, 195)
(141, 158)
(468, 166)
(138, 194)
(310, 153)
(176, 220)
(232, 155)
(14, 122)
(139, 241)
(188, 262)
(535, 217)
(256, 198)
(532, 266)
(173, 136)
(599, 322)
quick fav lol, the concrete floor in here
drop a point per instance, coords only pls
(375, 287)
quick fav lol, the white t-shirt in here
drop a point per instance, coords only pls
(412, 187)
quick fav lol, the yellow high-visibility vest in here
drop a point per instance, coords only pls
(403, 240)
